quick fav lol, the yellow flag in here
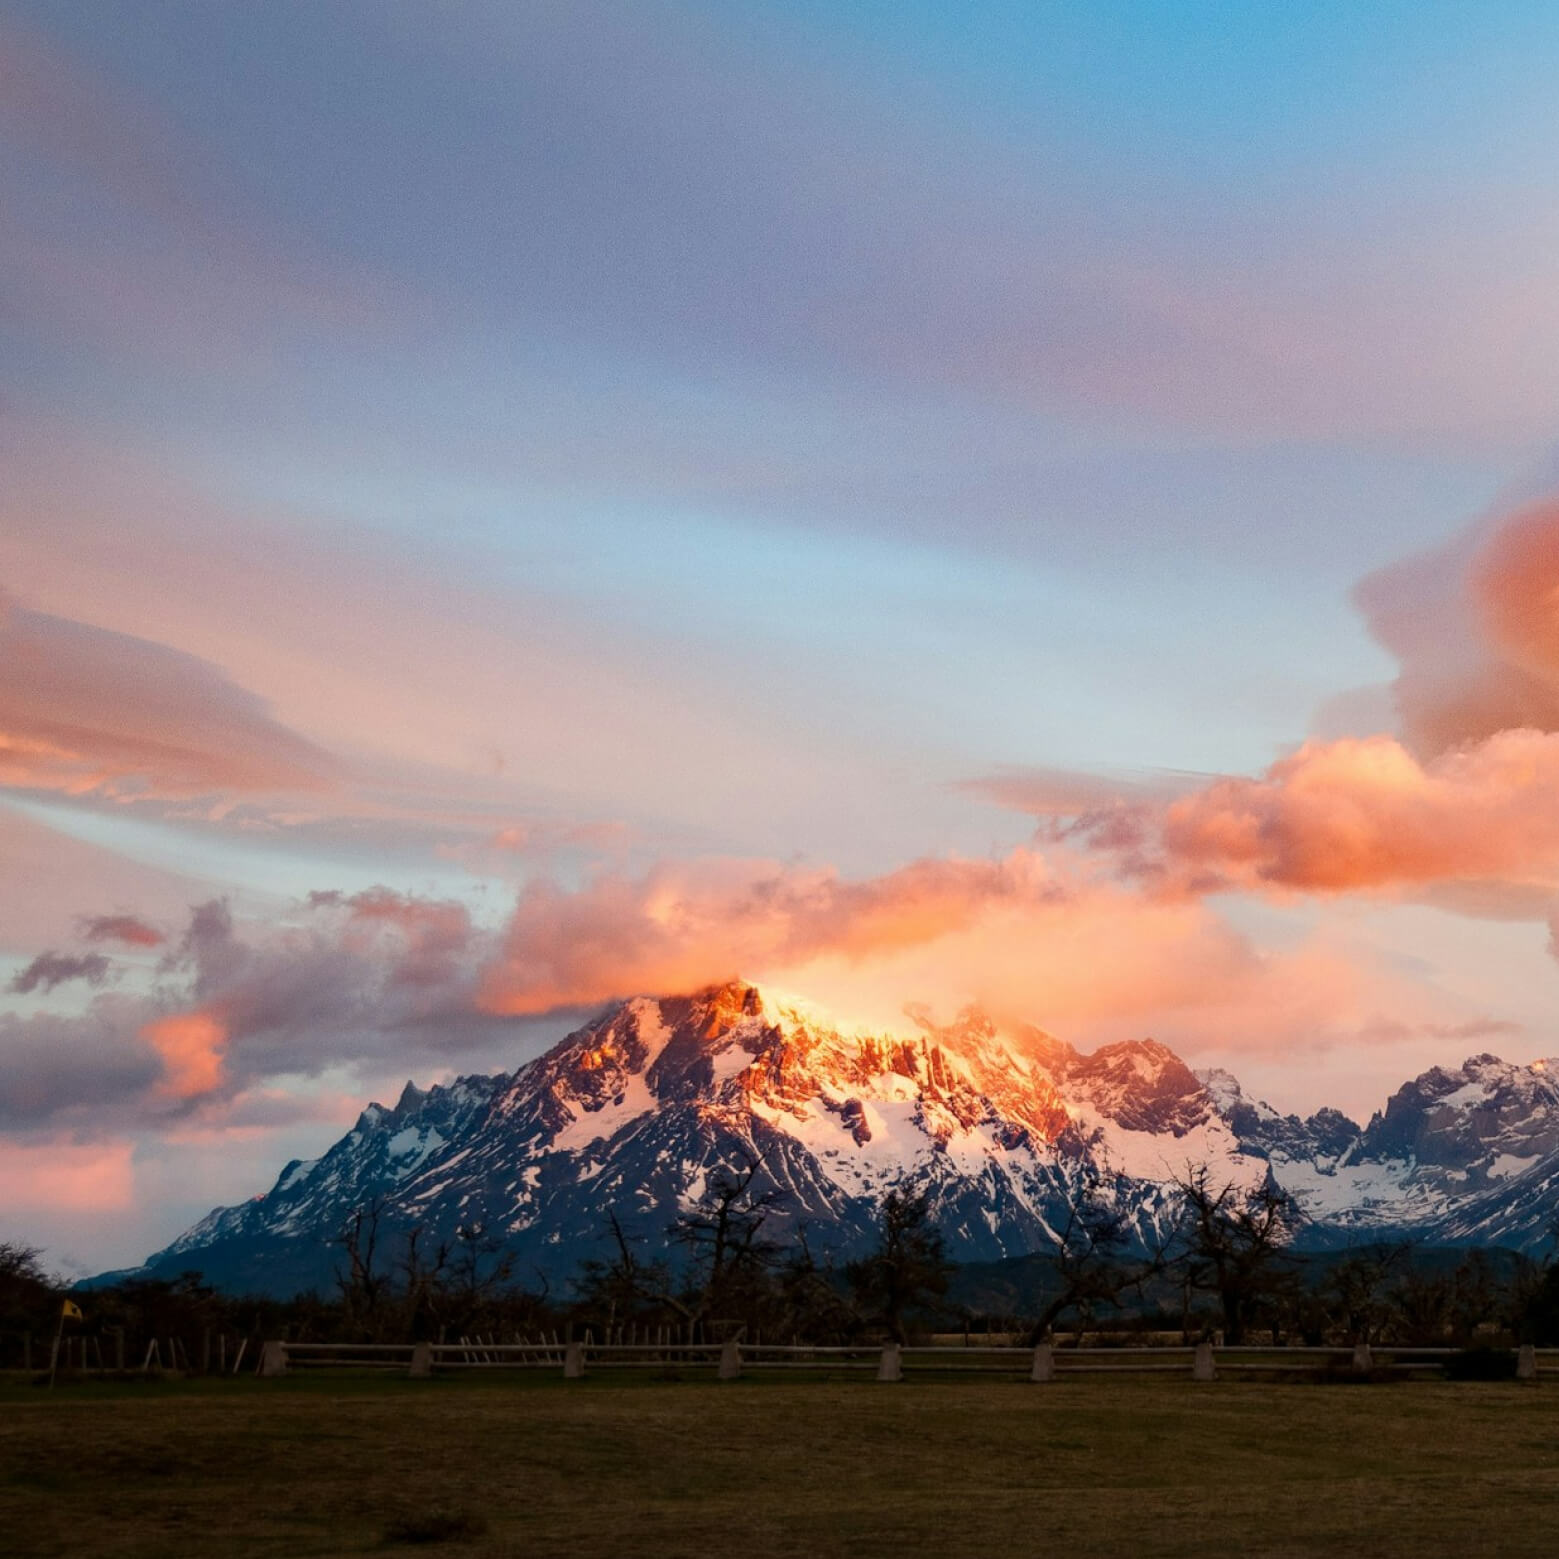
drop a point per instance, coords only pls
(71, 1311)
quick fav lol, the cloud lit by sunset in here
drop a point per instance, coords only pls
(550, 504)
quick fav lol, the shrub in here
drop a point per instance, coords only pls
(1481, 1364)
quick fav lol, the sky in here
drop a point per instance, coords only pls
(505, 506)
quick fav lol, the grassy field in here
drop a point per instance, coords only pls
(758, 1468)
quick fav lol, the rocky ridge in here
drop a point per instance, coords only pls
(634, 1111)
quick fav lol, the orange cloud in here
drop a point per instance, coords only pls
(1474, 627)
(1029, 939)
(683, 925)
(1461, 807)
(191, 1046)
(1367, 815)
(1514, 581)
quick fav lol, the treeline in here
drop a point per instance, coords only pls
(1226, 1267)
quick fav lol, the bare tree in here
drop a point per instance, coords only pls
(476, 1268)
(1421, 1306)
(1233, 1242)
(622, 1285)
(422, 1272)
(1477, 1297)
(365, 1285)
(908, 1268)
(1090, 1259)
(723, 1231)
(26, 1288)
(812, 1304)
(1360, 1286)
(724, 1227)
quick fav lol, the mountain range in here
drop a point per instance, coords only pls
(632, 1113)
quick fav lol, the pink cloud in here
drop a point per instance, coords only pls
(1461, 808)
(1465, 801)
(547, 836)
(379, 982)
(87, 712)
(373, 979)
(1070, 793)
(92, 533)
(49, 875)
(61, 1174)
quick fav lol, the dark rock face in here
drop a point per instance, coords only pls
(1142, 1085)
(1460, 1119)
(631, 1114)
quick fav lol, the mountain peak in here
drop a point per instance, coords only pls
(628, 1116)
(411, 1099)
(728, 1004)
(1467, 1118)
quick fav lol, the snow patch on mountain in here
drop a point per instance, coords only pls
(630, 1115)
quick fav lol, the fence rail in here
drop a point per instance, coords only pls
(892, 1362)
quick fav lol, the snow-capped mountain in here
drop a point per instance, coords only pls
(630, 1115)
(1469, 1155)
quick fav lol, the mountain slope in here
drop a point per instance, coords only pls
(631, 1114)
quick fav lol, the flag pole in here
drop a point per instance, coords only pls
(54, 1352)
(69, 1310)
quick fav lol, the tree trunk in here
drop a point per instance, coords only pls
(1233, 1317)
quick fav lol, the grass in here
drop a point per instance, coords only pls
(533, 1467)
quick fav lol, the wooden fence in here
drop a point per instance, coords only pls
(112, 1351)
(892, 1362)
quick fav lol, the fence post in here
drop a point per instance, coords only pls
(574, 1361)
(421, 1361)
(891, 1366)
(1202, 1367)
(1044, 1363)
(1526, 1363)
(1363, 1359)
(273, 1358)
(730, 1359)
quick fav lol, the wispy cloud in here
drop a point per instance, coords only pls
(127, 930)
(49, 970)
(88, 712)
